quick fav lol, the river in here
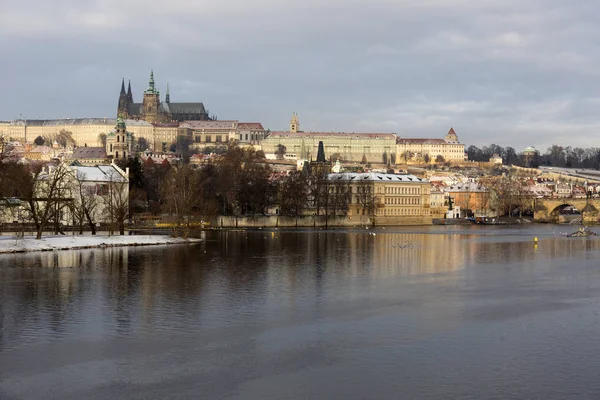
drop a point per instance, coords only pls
(444, 312)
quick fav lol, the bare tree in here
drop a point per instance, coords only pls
(365, 196)
(116, 200)
(293, 194)
(341, 193)
(86, 202)
(180, 190)
(46, 192)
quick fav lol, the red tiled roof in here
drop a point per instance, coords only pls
(251, 125)
(451, 132)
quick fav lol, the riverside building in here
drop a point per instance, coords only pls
(391, 199)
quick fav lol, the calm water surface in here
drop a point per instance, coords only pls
(407, 313)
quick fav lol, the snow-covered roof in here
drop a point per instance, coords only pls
(100, 173)
(374, 177)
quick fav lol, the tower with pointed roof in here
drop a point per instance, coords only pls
(294, 123)
(122, 110)
(151, 101)
(451, 136)
(152, 110)
(129, 94)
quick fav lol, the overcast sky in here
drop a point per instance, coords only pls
(510, 72)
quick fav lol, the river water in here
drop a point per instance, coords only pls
(404, 313)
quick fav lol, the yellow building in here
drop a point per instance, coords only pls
(357, 147)
(164, 136)
(431, 150)
(87, 131)
(391, 199)
(210, 133)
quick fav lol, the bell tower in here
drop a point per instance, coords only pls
(151, 101)
(295, 123)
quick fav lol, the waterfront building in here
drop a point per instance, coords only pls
(437, 201)
(153, 110)
(391, 199)
(423, 150)
(471, 197)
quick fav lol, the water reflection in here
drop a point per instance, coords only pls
(277, 300)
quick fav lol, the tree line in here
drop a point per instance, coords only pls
(555, 156)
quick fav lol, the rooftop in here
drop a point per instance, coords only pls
(374, 177)
(89, 152)
(333, 134)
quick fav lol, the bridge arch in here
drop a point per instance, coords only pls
(549, 210)
(562, 207)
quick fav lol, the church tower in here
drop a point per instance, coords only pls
(167, 96)
(129, 94)
(295, 124)
(151, 102)
(451, 137)
(122, 108)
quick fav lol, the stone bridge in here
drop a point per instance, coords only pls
(548, 210)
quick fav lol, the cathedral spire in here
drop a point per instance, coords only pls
(122, 87)
(129, 94)
(167, 96)
(151, 83)
(151, 88)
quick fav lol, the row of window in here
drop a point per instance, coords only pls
(402, 211)
(403, 200)
(208, 139)
(402, 190)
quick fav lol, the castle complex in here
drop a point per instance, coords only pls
(153, 110)
(366, 147)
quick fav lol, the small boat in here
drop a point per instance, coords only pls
(582, 232)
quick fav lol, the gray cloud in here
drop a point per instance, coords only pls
(500, 71)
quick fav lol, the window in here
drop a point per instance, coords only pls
(208, 139)
(218, 139)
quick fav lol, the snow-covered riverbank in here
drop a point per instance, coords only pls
(48, 243)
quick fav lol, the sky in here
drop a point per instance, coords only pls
(509, 72)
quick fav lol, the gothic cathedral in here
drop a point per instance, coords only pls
(155, 111)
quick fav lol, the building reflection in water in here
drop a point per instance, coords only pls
(242, 276)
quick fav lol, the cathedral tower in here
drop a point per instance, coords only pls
(294, 124)
(151, 102)
(129, 94)
(122, 108)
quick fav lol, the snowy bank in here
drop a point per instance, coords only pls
(48, 243)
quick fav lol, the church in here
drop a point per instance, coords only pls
(153, 110)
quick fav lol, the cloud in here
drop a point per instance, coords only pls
(506, 71)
